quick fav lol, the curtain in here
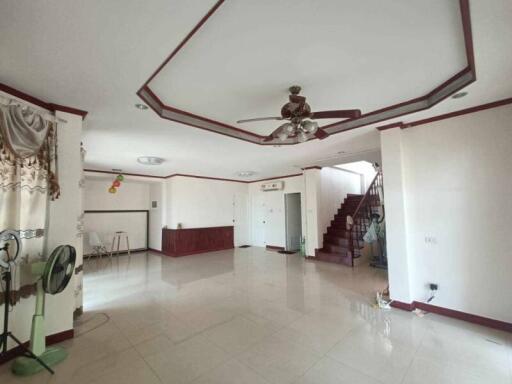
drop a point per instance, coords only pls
(28, 177)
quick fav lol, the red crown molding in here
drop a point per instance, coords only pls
(466, 111)
(460, 80)
(43, 104)
(475, 319)
(193, 176)
(123, 173)
(206, 177)
(276, 177)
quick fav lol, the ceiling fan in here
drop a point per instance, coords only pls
(301, 124)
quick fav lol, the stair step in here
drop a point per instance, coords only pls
(334, 258)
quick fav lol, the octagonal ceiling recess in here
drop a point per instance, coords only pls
(241, 57)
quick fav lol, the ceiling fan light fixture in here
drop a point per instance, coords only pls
(310, 126)
(282, 135)
(302, 137)
(150, 160)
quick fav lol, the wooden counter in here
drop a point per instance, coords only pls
(188, 241)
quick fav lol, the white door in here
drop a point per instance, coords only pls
(240, 219)
(258, 221)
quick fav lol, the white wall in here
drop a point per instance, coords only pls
(335, 184)
(156, 215)
(197, 203)
(365, 168)
(132, 194)
(269, 207)
(456, 190)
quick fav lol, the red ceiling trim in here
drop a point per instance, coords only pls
(40, 103)
(441, 92)
(185, 40)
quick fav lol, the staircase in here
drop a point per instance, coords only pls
(342, 245)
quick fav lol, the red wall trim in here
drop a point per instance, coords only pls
(475, 319)
(274, 247)
(194, 176)
(460, 80)
(50, 339)
(461, 112)
(390, 126)
(275, 178)
(124, 173)
(466, 111)
(205, 177)
(43, 104)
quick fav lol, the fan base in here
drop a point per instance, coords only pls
(26, 366)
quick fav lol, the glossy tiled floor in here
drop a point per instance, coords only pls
(251, 316)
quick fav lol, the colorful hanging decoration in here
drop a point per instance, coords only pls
(116, 183)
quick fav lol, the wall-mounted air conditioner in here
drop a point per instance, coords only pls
(274, 186)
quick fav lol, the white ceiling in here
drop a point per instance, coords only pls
(243, 59)
(94, 55)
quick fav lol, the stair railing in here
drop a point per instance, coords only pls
(370, 203)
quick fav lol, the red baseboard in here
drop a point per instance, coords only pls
(50, 339)
(274, 248)
(155, 250)
(470, 318)
(400, 305)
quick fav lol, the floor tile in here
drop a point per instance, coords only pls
(279, 360)
(328, 371)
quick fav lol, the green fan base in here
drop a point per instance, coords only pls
(26, 366)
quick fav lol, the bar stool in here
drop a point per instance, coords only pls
(117, 236)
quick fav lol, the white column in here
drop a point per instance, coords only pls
(399, 260)
(312, 195)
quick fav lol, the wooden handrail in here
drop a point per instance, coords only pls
(366, 194)
(362, 213)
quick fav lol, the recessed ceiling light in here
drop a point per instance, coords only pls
(459, 95)
(150, 160)
(246, 173)
(142, 107)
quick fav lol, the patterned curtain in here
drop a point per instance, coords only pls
(28, 176)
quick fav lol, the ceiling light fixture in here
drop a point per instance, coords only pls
(246, 173)
(459, 95)
(150, 160)
(142, 107)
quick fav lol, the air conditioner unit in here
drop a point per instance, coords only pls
(275, 186)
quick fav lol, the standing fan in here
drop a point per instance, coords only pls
(52, 276)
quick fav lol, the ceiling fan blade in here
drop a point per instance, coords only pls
(321, 134)
(342, 113)
(297, 99)
(259, 119)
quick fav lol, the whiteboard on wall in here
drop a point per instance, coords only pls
(106, 223)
